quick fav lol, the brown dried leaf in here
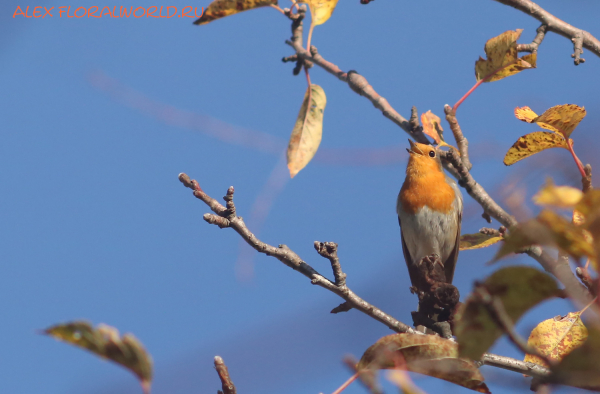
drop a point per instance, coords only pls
(222, 8)
(580, 368)
(519, 288)
(432, 126)
(320, 10)
(558, 196)
(426, 354)
(502, 58)
(557, 337)
(478, 240)
(104, 341)
(307, 133)
(525, 114)
(533, 143)
(561, 119)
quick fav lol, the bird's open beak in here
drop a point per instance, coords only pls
(414, 148)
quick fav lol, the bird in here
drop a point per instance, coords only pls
(429, 209)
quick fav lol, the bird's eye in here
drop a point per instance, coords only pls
(431, 153)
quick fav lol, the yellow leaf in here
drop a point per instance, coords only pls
(561, 119)
(580, 368)
(104, 341)
(222, 8)
(426, 354)
(519, 288)
(306, 136)
(478, 240)
(533, 143)
(320, 10)
(432, 126)
(525, 114)
(550, 229)
(557, 337)
(569, 238)
(502, 58)
(558, 196)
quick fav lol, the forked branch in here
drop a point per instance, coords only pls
(227, 218)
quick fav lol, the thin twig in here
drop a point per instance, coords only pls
(287, 256)
(581, 39)
(537, 41)
(496, 309)
(514, 365)
(360, 85)
(461, 140)
(226, 383)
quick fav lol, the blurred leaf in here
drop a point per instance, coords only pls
(306, 136)
(581, 368)
(590, 204)
(568, 237)
(104, 341)
(432, 126)
(222, 8)
(525, 114)
(502, 58)
(426, 354)
(533, 143)
(550, 229)
(401, 379)
(519, 288)
(558, 196)
(557, 337)
(320, 10)
(478, 240)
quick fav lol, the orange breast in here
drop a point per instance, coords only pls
(429, 189)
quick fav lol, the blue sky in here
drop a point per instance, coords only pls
(100, 115)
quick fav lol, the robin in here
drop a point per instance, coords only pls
(429, 211)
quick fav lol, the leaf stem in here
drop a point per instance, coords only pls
(346, 384)
(577, 161)
(459, 102)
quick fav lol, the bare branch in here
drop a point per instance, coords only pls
(537, 41)
(329, 251)
(360, 85)
(511, 364)
(496, 309)
(581, 39)
(461, 140)
(226, 383)
(290, 258)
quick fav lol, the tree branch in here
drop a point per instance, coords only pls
(537, 41)
(360, 85)
(461, 140)
(226, 217)
(514, 365)
(292, 260)
(226, 383)
(580, 38)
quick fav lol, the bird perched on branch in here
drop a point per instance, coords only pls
(429, 211)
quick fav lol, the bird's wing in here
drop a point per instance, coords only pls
(450, 263)
(413, 272)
